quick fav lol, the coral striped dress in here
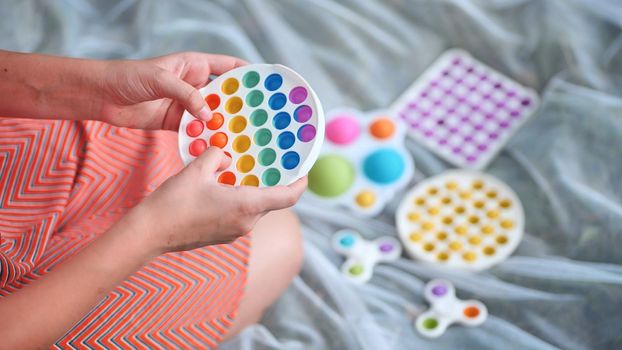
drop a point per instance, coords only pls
(63, 183)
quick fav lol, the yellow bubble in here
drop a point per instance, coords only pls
(507, 224)
(428, 247)
(432, 190)
(461, 230)
(233, 105)
(475, 240)
(491, 194)
(246, 163)
(455, 245)
(250, 180)
(489, 250)
(427, 226)
(469, 256)
(420, 201)
(459, 210)
(465, 195)
(493, 214)
(479, 204)
(237, 124)
(505, 203)
(447, 220)
(433, 210)
(415, 237)
(442, 256)
(366, 199)
(446, 200)
(474, 220)
(502, 239)
(230, 86)
(413, 216)
(478, 185)
(241, 144)
(451, 185)
(487, 229)
(441, 236)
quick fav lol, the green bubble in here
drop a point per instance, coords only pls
(262, 137)
(259, 117)
(331, 176)
(266, 156)
(250, 79)
(430, 323)
(271, 177)
(356, 270)
(254, 98)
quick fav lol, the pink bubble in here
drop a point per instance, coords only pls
(342, 129)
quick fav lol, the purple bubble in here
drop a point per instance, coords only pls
(306, 133)
(439, 290)
(445, 73)
(483, 77)
(482, 147)
(428, 133)
(452, 110)
(298, 95)
(504, 124)
(526, 102)
(479, 126)
(497, 85)
(500, 104)
(386, 247)
(514, 114)
(489, 116)
(442, 141)
(511, 93)
(424, 94)
(465, 119)
(473, 88)
(456, 61)
(493, 135)
(437, 102)
(468, 138)
(303, 113)
(471, 159)
(457, 150)
(487, 96)
(453, 130)
(470, 69)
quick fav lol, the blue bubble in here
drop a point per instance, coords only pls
(347, 241)
(290, 160)
(273, 82)
(277, 101)
(286, 140)
(384, 166)
(281, 120)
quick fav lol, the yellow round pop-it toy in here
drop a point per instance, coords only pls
(461, 218)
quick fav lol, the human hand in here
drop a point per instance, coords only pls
(191, 209)
(153, 93)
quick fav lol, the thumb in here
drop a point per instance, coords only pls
(168, 85)
(211, 161)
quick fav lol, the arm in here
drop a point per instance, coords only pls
(157, 89)
(175, 217)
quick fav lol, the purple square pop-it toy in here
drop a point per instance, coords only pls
(463, 110)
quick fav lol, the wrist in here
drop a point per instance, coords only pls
(143, 232)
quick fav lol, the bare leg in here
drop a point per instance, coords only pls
(276, 258)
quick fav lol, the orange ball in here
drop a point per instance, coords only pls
(382, 128)
(216, 122)
(219, 140)
(227, 178)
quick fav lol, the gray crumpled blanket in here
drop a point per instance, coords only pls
(560, 290)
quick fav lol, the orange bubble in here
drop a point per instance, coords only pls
(197, 147)
(219, 140)
(216, 122)
(213, 101)
(382, 128)
(227, 178)
(471, 312)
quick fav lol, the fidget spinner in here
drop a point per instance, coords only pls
(362, 255)
(446, 309)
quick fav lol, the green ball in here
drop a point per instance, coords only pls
(331, 176)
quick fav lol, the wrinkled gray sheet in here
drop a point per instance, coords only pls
(561, 289)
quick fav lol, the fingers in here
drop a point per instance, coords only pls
(221, 64)
(212, 160)
(167, 85)
(280, 197)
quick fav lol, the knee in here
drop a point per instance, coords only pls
(285, 235)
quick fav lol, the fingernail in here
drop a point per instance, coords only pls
(204, 114)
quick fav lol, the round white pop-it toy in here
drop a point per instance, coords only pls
(363, 162)
(266, 117)
(462, 219)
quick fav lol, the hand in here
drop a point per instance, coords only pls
(191, 209)
(153, 93)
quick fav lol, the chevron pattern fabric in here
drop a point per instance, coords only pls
(63, 183)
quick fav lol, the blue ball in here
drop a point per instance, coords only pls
(384, 166)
